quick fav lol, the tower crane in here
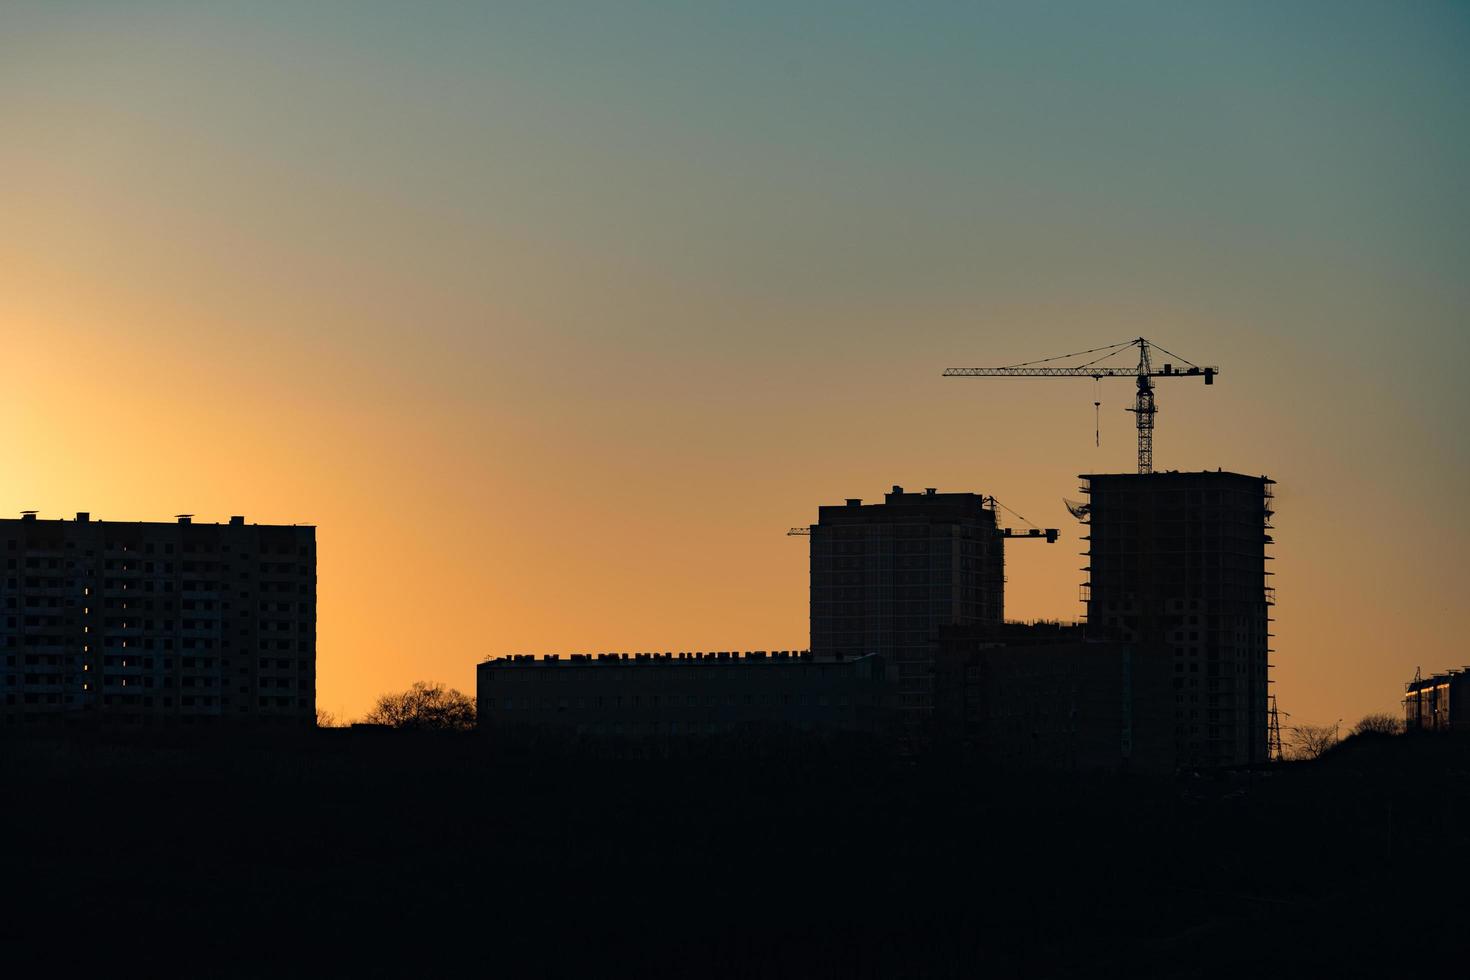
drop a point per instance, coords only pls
(1143, 406)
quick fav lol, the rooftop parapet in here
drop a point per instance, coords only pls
(1444, 677)
(688, 658)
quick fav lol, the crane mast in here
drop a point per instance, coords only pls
(1143, 408)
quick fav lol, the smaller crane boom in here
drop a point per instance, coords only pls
(1033, 533)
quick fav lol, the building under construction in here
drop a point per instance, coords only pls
(1177, 566)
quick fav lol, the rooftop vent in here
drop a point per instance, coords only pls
(83, 517)
(930, 491)
(185, 518)
(237, 520)
(854, 501)
(897, 488)
(28, 515)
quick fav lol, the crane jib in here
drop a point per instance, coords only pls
(1208, 373)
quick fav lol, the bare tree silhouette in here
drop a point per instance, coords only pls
(1311, 741)
(425, 707)
(1380, 723)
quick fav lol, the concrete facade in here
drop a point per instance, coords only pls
(887, 578)
(672, 694)
(1045, 696)
(1177, 561)
(137, 623)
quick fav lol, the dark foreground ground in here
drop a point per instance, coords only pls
(380, 854)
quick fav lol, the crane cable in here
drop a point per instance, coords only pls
(1113, 348)
(999, 504)
(1099, 360)
(1172, 354)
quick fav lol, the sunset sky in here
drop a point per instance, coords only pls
(553, 317)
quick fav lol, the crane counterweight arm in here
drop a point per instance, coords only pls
(1047, 534)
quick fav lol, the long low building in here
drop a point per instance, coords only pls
(661, 694)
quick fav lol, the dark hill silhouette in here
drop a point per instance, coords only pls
(391, 852)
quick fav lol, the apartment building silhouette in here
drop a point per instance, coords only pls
(887, 578)
(154, 623)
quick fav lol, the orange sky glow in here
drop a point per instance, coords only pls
(553, 329)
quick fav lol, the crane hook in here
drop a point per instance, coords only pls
(1097, 413)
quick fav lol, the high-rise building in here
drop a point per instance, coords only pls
(1177, 565)
(156, 623)
(887, 578)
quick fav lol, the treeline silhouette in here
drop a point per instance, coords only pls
(424, 707)
(395, 853)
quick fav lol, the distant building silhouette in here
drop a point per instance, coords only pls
(154, 623)
(909, 640)
(1177, 563)
(887, 578)
(1438, 704)
(661, 694)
